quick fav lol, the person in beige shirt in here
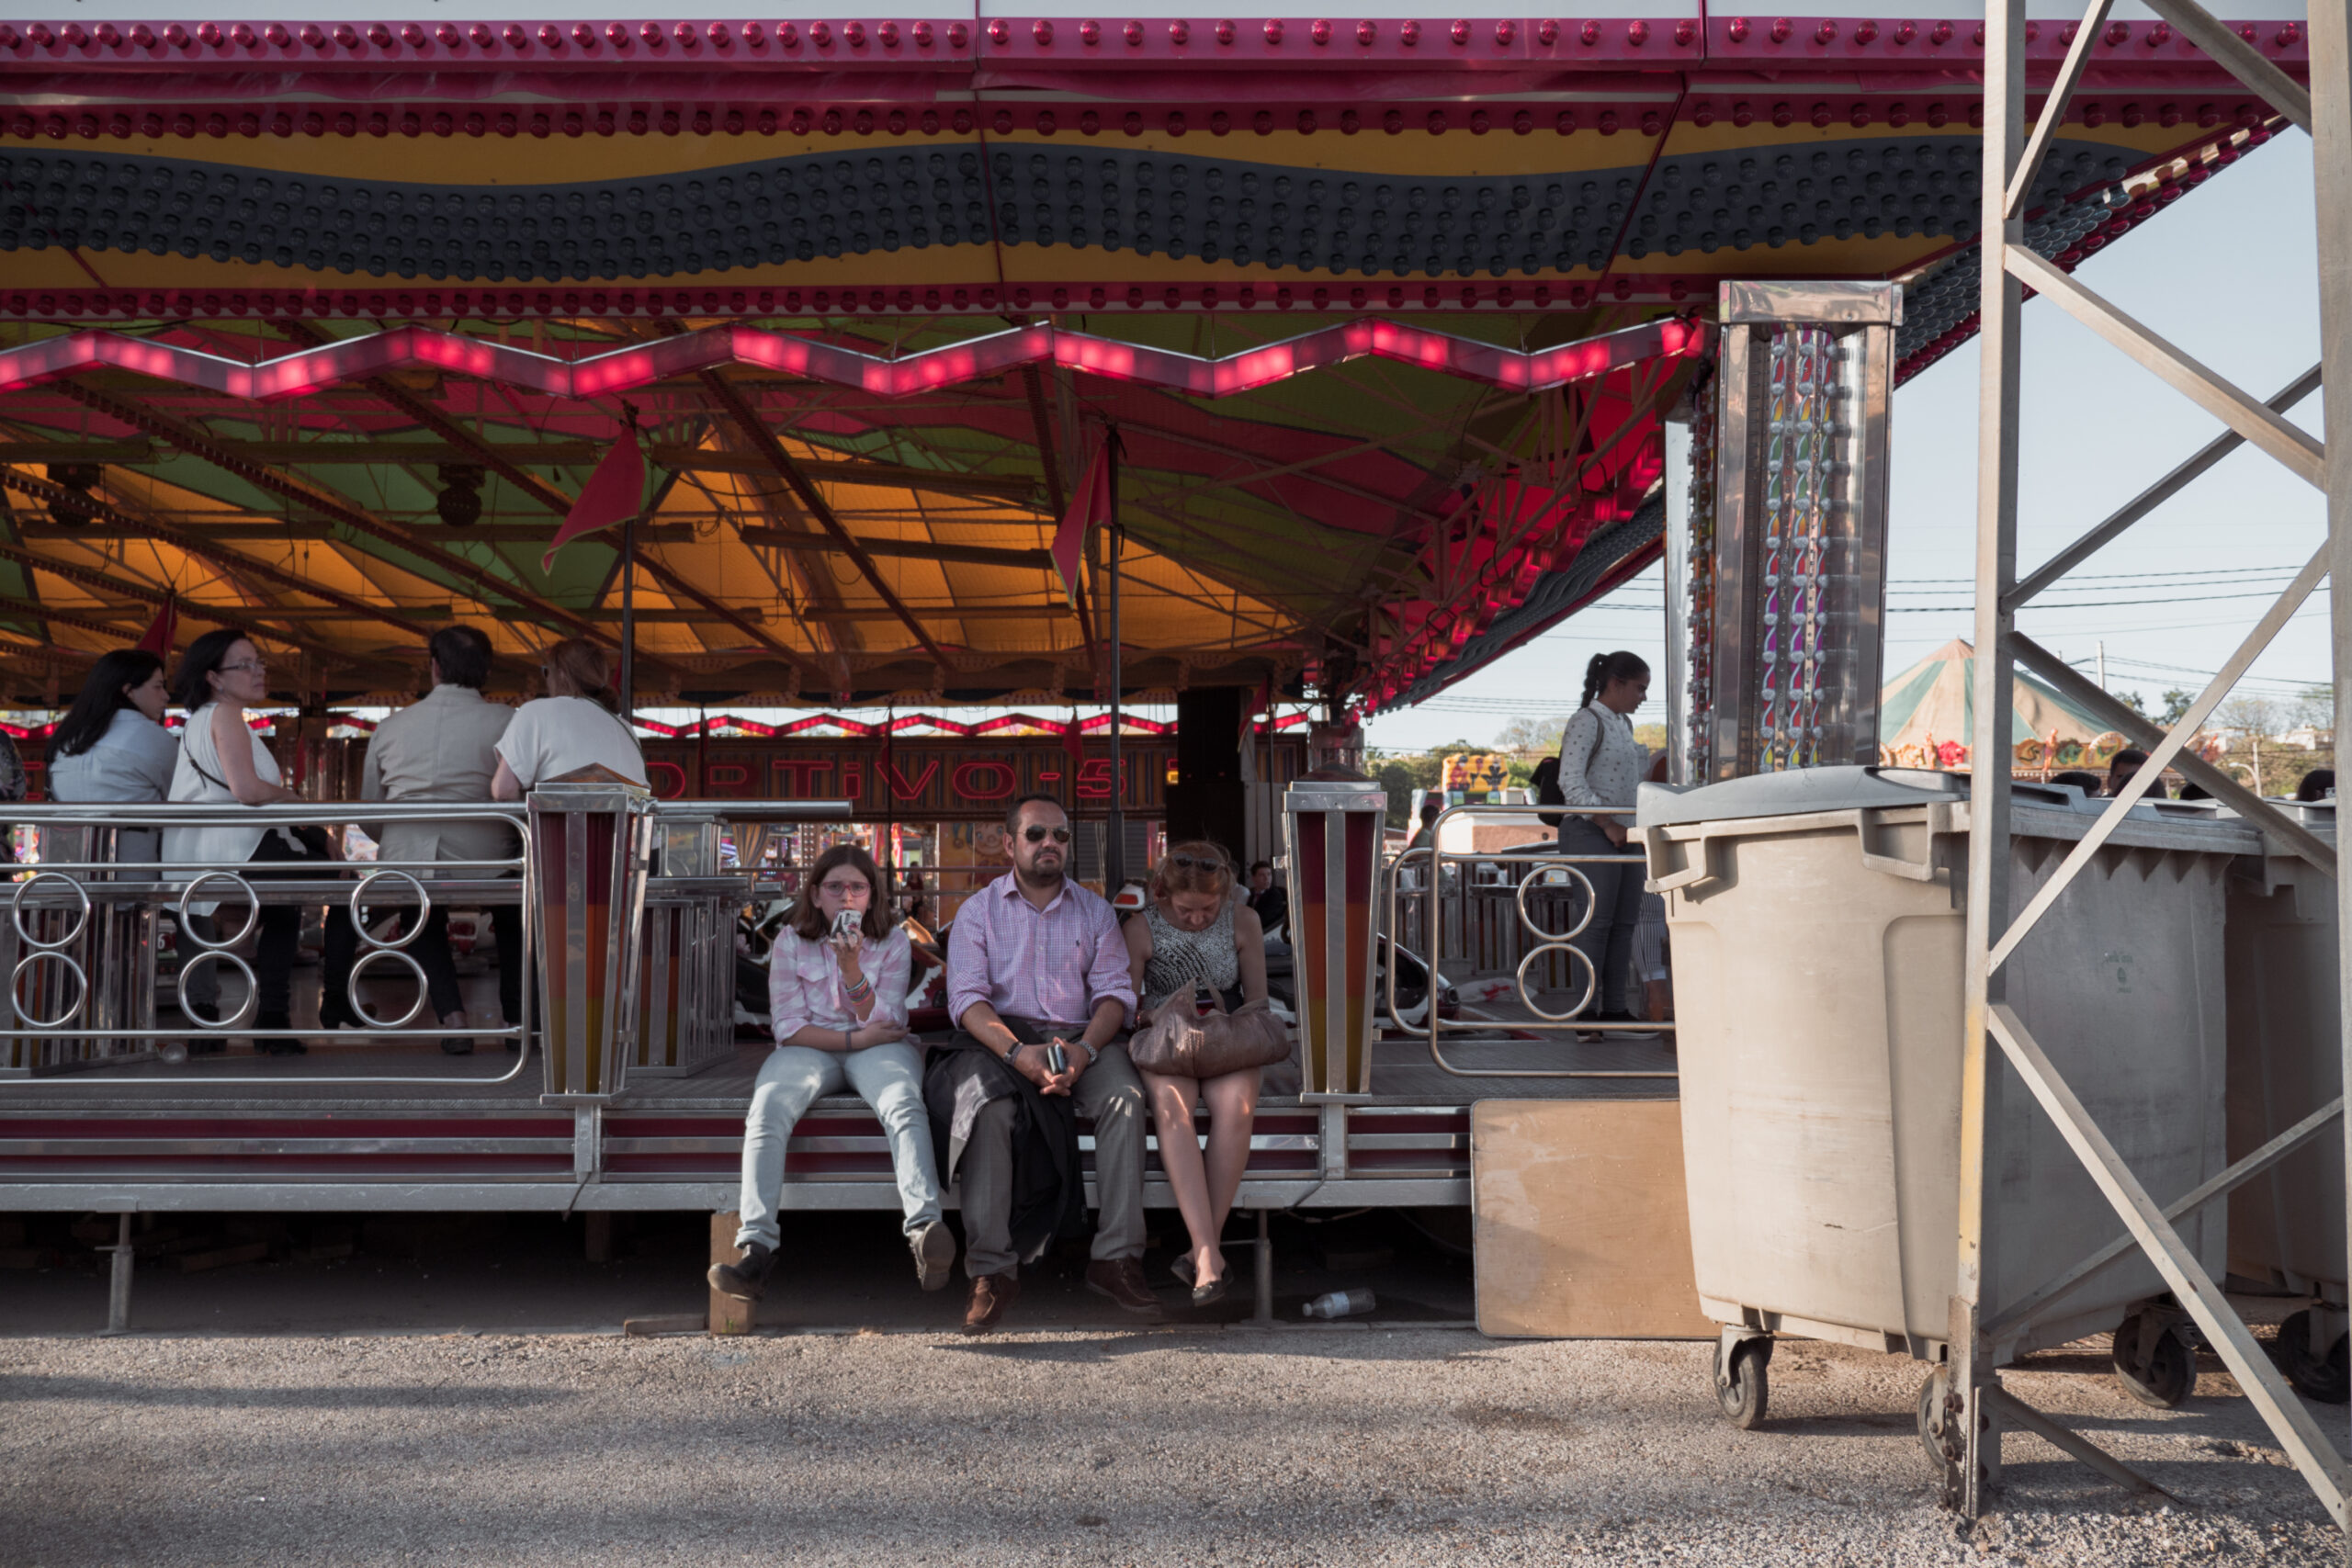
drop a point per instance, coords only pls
(443, 747)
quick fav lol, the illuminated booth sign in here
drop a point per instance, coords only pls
(942, 779)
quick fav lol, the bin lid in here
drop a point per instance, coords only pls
(2039, 810)
(1796, 793)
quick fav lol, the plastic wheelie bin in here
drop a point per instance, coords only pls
(1817, 919)
(2286, 1061)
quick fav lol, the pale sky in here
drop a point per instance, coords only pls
(2229, 275)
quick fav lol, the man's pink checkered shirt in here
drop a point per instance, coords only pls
(1052, 964)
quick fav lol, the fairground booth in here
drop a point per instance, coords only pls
(959, 401)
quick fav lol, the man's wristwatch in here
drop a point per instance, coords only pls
(1093, 1052)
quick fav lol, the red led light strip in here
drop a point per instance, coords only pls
(624, 369)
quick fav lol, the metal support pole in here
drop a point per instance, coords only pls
(1264, 1317)
(118, 1281)
(1115, 850)
(629, 620)
(2331, 127)
(1999, 302)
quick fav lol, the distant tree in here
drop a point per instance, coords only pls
(2176, 703)
(2131, 700)
(2315, 705)
(2251, 717)
(1523, 735)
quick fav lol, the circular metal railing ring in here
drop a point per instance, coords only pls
(16, 911)
(16, 981)
(245, 1009)
(351, 988)
(415, 929)
(1577, 954)
(253, 909)
(1545, 874)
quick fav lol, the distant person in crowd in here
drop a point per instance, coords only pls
(577, 725)
(442, 747)
(911, 886)
(1038, 963)
(2194, 791)
(111, 746)
(2122, 767)
(1433, 807)
(1269, 903)
(1191, 931)
(837, 1000)
(2317, 784)
(2087, 782)
(222, 762)
(1601, 765)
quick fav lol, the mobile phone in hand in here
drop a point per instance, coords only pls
(1056, 1059)
(846, 924)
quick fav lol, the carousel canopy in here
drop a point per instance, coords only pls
(315, 324)
(1925, 714)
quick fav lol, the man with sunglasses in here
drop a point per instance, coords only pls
(1038, 983)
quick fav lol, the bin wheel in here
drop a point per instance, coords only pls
(2328, 1379)
(1743, 1392)
(2171, 1372)
(1933, 1422)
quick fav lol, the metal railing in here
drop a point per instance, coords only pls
(1557, 882)
(81, 940)
(114, 906)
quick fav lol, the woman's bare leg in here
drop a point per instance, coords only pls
(1233, 1109)
(1179, 1156)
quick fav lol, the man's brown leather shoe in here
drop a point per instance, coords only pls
(1121, 1279)
(991, 1293)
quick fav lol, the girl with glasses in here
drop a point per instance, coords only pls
(222, 762)
(837, 994)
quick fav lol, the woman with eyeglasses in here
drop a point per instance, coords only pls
(837, 998)
(224, 763)
(1192, 932)
(577, 725)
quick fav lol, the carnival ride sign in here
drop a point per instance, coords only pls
(941, 780)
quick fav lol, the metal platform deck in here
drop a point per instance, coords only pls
(240, 1131)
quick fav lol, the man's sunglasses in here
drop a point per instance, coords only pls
(1039, 835)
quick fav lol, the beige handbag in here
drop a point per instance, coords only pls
(1195, 1038)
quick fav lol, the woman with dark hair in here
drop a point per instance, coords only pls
(837, 998)
(111, 744)
(1601, 765)
(577, 725)
(224, 763)
(1193, 932)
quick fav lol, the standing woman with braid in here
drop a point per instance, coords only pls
(1600, 764)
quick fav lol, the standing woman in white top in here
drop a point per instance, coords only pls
(1600, 764)
(221, 762)
(576, 725)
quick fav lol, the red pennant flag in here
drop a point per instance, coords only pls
(1090, 507)
(615, 493)
(160, 631)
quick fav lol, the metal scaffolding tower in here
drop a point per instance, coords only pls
(1975, 1407)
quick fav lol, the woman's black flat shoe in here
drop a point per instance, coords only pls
(1205, 1295)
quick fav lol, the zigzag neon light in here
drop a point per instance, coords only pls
(623, 369)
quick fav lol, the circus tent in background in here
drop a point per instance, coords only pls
(1926, 714)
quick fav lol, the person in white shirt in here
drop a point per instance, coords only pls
(1600, 764)
(576, 725)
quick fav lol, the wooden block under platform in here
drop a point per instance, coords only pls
(728, 1316)
(1581, 1224)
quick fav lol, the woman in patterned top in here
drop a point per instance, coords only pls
(1600, 764)
(1191, 932)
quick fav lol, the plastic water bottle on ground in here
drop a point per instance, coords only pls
(175, 1051)
(1338, 1304)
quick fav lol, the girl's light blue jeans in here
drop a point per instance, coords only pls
(888, 1076)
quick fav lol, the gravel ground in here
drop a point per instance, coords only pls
(1297, 1446)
